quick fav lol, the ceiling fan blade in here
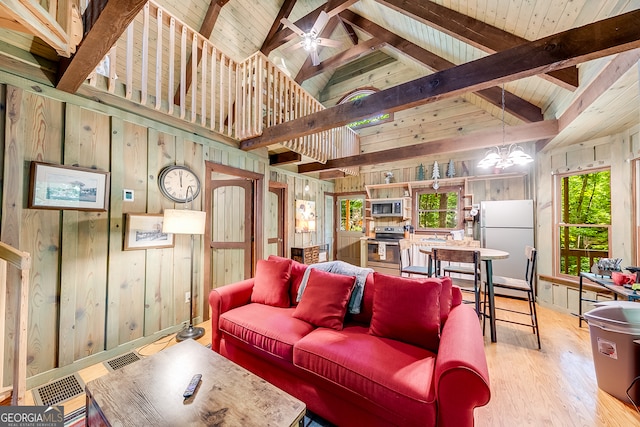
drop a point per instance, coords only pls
(293, 27)
(328, 42)
(315, 59)
(320, 23)
(295, 46)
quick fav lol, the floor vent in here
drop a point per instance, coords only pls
(121, 361)
(59, 391)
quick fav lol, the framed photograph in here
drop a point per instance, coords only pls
(67, 187)
(144, 231)
(305, 216)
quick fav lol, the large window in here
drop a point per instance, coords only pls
(584, 220)
(370, 121)
(351, 214)
(438, 210)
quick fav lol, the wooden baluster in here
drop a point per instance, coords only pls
(129, 82)
(221, 95)
(194, 75)
(231, 120)
(113, 54)
(172, 55)
(203, 83)
(214, 54)
(159, 37)
(144, 70)
(183, 72)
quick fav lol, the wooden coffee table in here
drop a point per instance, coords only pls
(149, 392)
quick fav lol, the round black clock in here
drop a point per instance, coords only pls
(174, 181)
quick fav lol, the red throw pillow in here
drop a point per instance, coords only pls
(407, 310)
(325, 298)
(297, 274)
(271, 283)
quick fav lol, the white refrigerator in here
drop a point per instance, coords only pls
(507, 225)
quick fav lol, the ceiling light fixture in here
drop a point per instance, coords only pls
(504, 157)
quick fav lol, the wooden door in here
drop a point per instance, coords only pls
(274, 221)
(349, 228)
(231, 230)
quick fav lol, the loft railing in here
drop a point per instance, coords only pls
(57, 23)
(21, 261)
(166, 65)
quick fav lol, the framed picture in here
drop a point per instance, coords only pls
(305, 216)
(144, 231)
(67, 187)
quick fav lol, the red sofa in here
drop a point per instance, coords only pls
(353, 373)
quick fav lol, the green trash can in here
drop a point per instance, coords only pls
(613, 327)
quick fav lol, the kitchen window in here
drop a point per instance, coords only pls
(583, 220)
(438, 210)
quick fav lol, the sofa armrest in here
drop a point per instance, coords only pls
(223, 299)
(461, 373)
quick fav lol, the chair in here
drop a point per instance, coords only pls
(461, 256)
(405, 261)
(522, 285)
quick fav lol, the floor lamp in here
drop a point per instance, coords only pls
(186, 221)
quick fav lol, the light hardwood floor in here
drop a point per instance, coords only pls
(555, 386)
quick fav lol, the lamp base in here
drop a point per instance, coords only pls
(189, 332)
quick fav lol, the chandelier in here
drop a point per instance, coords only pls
(503, 157)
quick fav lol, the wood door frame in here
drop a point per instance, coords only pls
(334, 232)
(336, 216)
(282, 187)
(257, 229)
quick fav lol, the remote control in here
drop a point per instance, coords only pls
(192, 386)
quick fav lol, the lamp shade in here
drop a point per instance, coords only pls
(184, 221)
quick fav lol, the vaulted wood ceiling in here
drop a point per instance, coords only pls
(402, 47)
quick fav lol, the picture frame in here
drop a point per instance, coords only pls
(68, 187)
(144, 231)
(305, 216)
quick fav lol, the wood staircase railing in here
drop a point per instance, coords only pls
(22, 261)
(166, 65)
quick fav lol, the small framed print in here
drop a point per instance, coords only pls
(144, 231)
(67, 187)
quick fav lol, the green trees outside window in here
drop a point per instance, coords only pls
(351, 215)
(438, 210)
(585, 220)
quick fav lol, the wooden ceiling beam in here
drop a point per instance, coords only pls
(610, 74)
(276, 26)
(339, 60)
(284, 158)
(514, 105)
(473, 141)
(596, 40)
(208, 22)
(474, 32)
(104, 22)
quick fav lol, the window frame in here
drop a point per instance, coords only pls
(559, 225)
(428, 190)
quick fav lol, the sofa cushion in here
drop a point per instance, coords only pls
(325, 298)
(297, 273)
(390, 373)
(407, 310)
(269, 328)
(271, 285)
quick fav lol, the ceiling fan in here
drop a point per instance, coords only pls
(311, 40)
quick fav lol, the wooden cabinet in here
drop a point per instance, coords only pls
(306, 255)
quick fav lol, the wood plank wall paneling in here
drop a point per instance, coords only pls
(84, 242)
(90, 300)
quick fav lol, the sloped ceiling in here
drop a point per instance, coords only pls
(396, 41)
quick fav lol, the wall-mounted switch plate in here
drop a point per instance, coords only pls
(127, 195)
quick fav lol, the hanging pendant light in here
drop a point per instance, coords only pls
(502, 157)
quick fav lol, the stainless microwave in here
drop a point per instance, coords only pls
(387, 207)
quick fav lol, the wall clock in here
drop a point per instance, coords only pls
(174, 182)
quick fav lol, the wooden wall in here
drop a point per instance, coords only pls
(619, 152)
(89, 299)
